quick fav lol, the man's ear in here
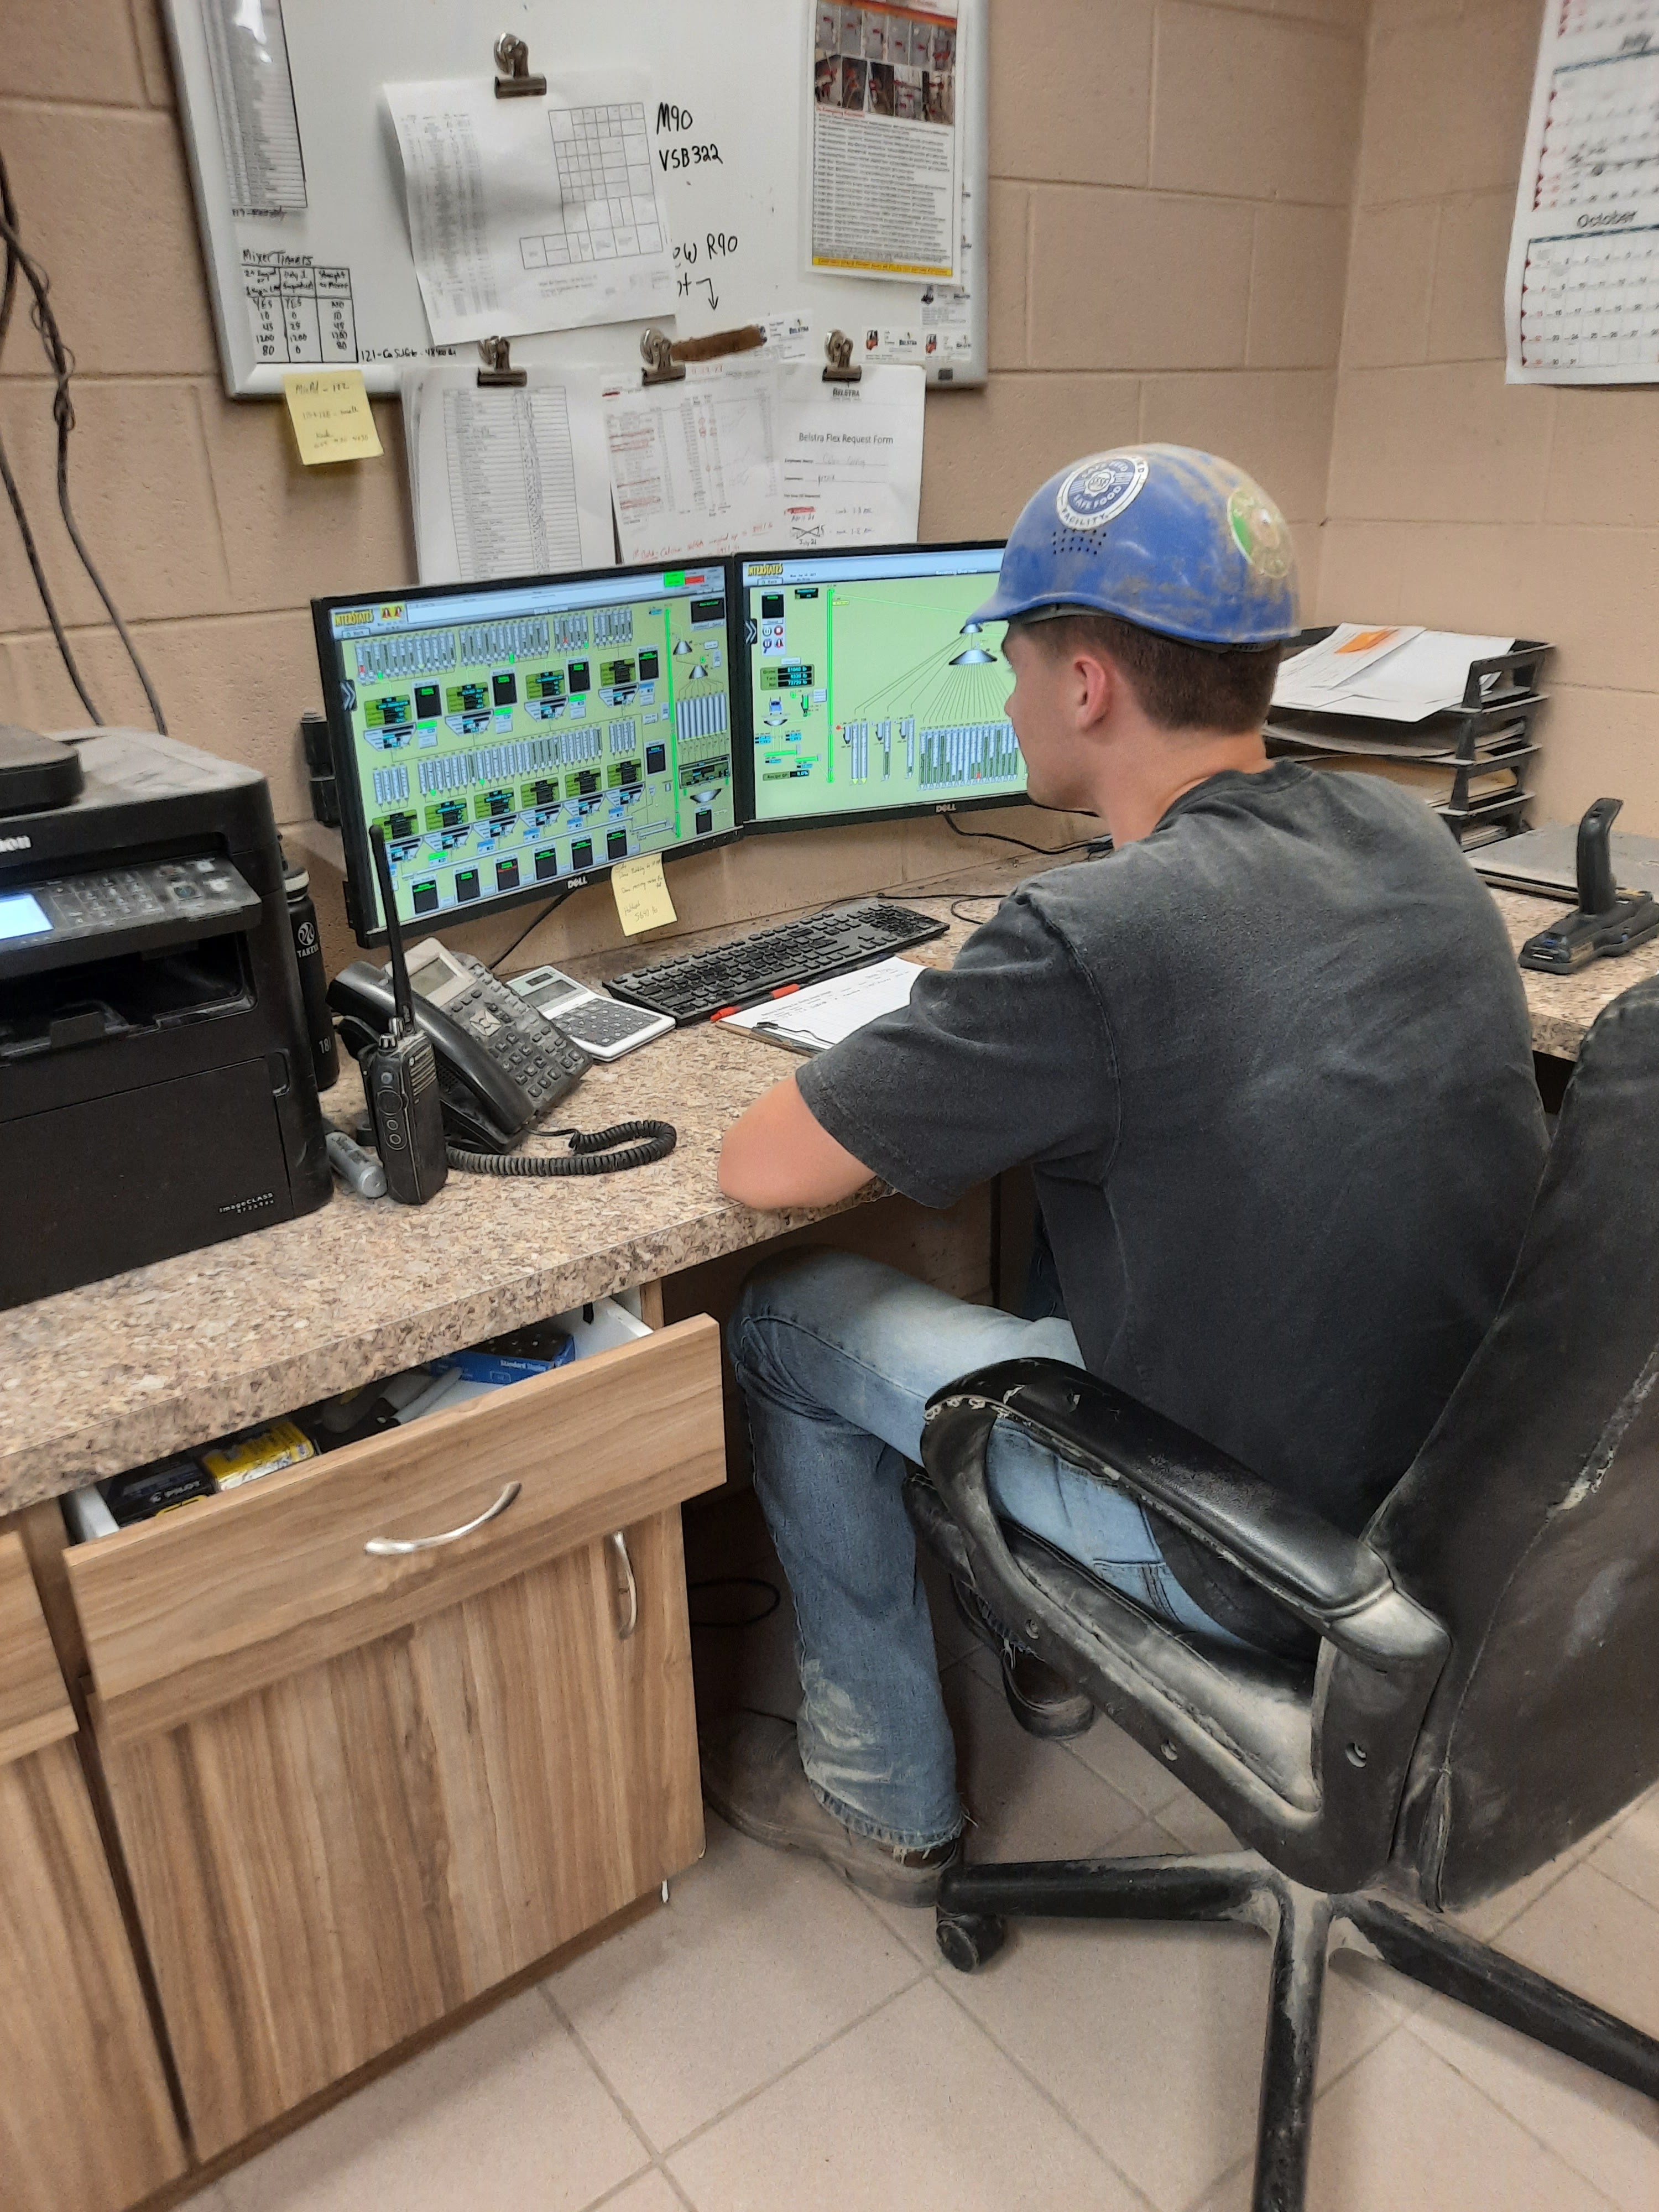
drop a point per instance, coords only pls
(1096, 685)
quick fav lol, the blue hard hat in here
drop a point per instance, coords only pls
(1163, 536)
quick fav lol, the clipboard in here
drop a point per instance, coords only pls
(822, 1015)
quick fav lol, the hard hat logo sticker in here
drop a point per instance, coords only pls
(1099, 489)
(1258, 530)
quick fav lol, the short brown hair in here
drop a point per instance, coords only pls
(1180, 686)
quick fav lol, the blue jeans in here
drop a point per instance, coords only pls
(837, 1356)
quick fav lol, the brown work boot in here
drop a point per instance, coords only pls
(753, 1777)
(1040, 1698)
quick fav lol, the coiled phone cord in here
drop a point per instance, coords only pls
(593, 1151)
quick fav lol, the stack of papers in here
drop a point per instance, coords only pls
(534, 214)
(813, 1019)
(760, 451)
(1393, 674)
(506, 480)
(1434, 781)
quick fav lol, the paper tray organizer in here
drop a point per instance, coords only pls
(1493, 729)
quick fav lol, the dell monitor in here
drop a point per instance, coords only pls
(870, 689)
(514, 740)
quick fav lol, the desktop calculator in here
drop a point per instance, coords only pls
(605, 1028)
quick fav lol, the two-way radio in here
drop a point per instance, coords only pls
(400, 1075)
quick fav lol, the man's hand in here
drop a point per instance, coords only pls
(777, 1155)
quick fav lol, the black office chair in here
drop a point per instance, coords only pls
(1484, 1692)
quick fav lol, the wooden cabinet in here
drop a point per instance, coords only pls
(356, 1791)
(85, 2116)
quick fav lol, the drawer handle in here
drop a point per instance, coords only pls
(620, 1541)
(397, 1547)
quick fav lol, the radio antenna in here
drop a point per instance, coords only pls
(403, 998)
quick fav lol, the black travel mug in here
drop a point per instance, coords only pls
(313, 979)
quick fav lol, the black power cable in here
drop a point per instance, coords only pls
(531, 927)
(771, 1597)
(61, 362)
(975, 898)
(1001, 837)
(8, 296)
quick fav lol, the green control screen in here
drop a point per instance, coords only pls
(511, 738)
(870, 687)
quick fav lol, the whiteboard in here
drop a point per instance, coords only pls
(333, 281)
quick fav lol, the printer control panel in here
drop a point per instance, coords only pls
(109, 910)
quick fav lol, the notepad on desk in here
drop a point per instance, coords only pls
(813, 1018)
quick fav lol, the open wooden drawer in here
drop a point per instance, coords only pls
(358, 1787)
(185, 1612)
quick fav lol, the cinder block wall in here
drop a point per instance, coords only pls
(1169, 215)
(1456, 500)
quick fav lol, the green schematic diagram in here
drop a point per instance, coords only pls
(876, 691)
(504, 746)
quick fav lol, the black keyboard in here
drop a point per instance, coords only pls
(750, 968)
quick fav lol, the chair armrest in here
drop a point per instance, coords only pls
(1338, 1584)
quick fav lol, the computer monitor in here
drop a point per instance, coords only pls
(869, 690)
(516, 740)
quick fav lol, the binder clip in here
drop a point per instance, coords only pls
(660, 366)
(838, 352)
(497, 356)
(513, 55)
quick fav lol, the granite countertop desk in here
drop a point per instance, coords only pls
(104, 1377)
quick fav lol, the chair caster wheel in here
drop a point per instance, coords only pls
(967, 1940)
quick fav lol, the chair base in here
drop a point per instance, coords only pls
(976, 1902)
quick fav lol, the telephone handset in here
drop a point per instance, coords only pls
(500, 1065)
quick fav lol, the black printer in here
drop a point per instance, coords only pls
(156, 1086)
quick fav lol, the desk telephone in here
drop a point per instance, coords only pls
(501, 1066)
(456, 1073)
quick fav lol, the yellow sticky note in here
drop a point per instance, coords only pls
(329, 409)
(641, 896)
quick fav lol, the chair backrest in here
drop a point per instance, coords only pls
(1529, 1521)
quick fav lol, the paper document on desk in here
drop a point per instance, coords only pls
(533, 214)
(750, 452)
(813, 1019)
(505, 481)
(1390, 674)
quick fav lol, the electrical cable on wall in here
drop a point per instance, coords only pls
(19, 261)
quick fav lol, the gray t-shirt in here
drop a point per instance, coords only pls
(1272, 1070)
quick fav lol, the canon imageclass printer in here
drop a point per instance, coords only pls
(156, 1089)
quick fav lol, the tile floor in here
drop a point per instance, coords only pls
(774, 2040)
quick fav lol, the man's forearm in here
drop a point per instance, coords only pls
(778, 1154)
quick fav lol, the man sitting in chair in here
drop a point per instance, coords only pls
(1269, 1062)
